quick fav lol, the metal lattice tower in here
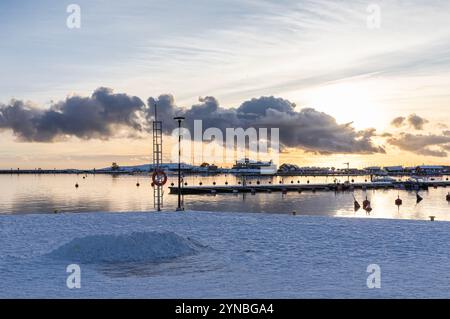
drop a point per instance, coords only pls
(157, 160)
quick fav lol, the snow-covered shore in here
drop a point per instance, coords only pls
(229, 255)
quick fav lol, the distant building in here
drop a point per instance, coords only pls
(429, 169)
(207, 168)
(374, 170)
(394, 169)
(292, 168)
(288, 168)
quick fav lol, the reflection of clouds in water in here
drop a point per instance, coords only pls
(50, 204)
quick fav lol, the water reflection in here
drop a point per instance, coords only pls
(47, 193)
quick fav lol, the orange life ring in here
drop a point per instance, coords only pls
(159, 178)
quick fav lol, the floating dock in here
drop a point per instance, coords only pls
(268, 188)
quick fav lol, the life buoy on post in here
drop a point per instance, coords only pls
(159, 178)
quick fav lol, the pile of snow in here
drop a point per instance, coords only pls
(134, 247)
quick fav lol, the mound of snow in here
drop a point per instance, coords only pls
(134, 247)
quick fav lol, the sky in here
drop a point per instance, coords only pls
(339, 83)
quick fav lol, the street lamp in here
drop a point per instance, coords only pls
(179, 119)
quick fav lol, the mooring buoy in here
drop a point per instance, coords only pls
(398, 201)
(356, 205)
(418, 198)
(366, 204)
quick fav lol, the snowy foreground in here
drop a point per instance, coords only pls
(215, 255)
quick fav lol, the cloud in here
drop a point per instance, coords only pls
(428, 145)
(104, 114)
(97, 116)
(398, 121)
(307, 129)
(413, 120)
(416, 121)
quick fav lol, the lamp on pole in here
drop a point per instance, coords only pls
(348, 171)
(179, 119)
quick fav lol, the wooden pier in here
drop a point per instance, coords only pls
(268, 188)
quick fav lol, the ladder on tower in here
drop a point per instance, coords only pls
(157, 161)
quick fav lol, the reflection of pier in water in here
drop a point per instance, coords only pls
(284, 188)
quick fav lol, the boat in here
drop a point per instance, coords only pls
(247, 166)
(383, 179)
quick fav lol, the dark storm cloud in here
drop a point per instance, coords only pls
(428, 145)
(96, 116)
(104, 113)
(307, 129)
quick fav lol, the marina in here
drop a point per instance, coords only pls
(258, 188)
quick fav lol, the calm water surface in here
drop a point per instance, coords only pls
(21, 194)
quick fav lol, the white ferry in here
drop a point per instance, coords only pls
(247, 166)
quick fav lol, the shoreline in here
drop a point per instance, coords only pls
(108, 172)
(223, 214)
